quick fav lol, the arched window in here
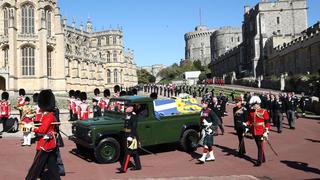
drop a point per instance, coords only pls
(49, 62)
(99, 41)
(6, 55)
(48, 22)
(108, 76)
(115, 74)
(6, 21)
(27, 18)
(28, 61)
(108, 57)
(115, 40)
(107, 40)
(115, 59)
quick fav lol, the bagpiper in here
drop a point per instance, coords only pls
(259, 123)
(208, 122)
(45, 157)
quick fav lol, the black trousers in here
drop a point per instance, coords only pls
(71, 115)
(3, 120)
(278, 118)
(261, 156)
(126, 160)
(41, 161)
(60, 162)
(242, 148)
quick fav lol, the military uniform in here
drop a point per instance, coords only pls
(291, 106)
(278, 110)
(131, 139)
(240, 115)
(258, 121)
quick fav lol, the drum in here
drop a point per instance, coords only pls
(27, 127)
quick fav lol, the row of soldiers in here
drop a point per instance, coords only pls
(279, 104)
(173, 90)
(79, 107)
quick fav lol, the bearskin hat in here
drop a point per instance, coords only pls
(77, 94)
(154, 95)
(135, 91)
(22, 92)
(106, 93)
(116, 88)
(96, 91)
(5, 96)
(35, 97)
(46, 100)
(71, 93)
(27, 99)
(83, 96)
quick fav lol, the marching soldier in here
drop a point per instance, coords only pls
(258, 121)
(105, 101)
(216, 107)
(208, 122)
(278, 110)
(291, 107)
(75, 105)
(45, 157)
(240, 114)
(130, 136)
(116, 90)
(302, 103)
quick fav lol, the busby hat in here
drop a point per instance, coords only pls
(35, 97)
(116, 88)
(71, 93)
(106, 93)
(83, 96)
(22, 92)
(77, 94)
(96, 91)
(5, 96)
(46, 100)
(27, 99)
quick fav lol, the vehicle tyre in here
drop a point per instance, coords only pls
(189, 140)
(107, 151)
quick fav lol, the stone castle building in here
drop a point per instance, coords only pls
(207, 44)
(198, 44)
(39, 50)
(224, 39)
(154, 69)
(284, 19)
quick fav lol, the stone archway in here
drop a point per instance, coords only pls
(2, 83)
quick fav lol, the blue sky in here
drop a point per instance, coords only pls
(155, 29)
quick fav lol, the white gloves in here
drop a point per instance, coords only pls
(266, 134)
(129, 138)
(46, 137)
(205, 122)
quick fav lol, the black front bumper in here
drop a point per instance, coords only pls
(81, 142)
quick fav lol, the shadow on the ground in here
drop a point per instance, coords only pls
(234, 152)
(87, 156)
(301, 166)
(313, 140)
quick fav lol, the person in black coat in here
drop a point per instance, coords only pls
(278, 110)
(131, 138)
(240, 116)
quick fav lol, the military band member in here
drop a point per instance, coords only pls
(240, 116)
(258, 121)
(28, 113)
(208, 122)
(83, 108)
(45, 157)
(20, 101)
(131, 138)
(5, 110)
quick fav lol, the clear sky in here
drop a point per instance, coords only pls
(155, 29)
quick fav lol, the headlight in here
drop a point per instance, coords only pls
(89, 133)
(74, 129)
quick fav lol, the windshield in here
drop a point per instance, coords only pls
(116, 106)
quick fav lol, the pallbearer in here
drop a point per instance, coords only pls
(97, 103)
(105, 101)
(70, 101)
(83, 108)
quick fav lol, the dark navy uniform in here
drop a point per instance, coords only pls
(240, 115)
(278, 110)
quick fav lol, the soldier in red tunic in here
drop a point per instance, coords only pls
(70, 103)
(46, 144)
(83, 108)
(5, 109)
(258, 121)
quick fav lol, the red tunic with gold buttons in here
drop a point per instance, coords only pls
(5, 109)
(258, 120)
(46, 128)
